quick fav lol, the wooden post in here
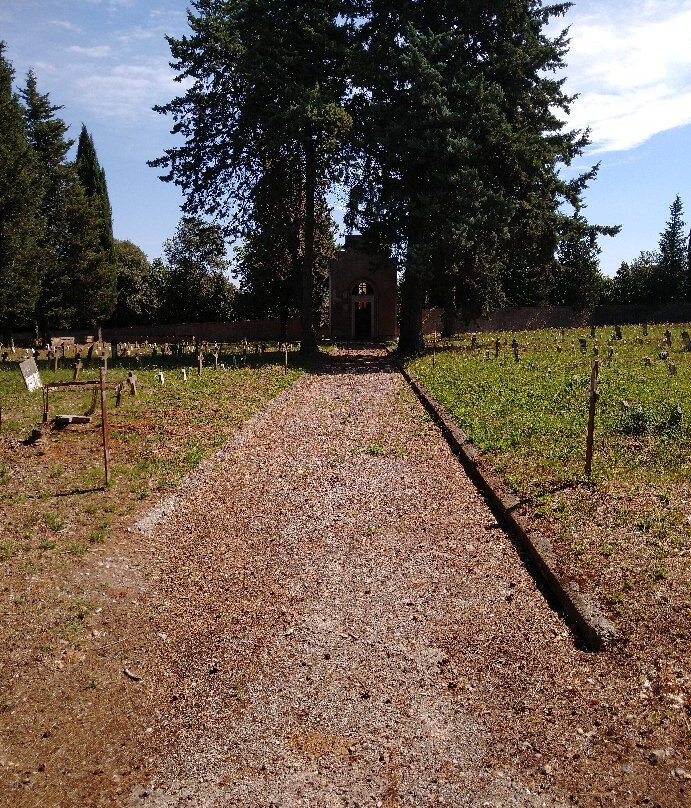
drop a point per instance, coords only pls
(285, 371)
(55, 360)
(104, 424)
(514, 345)
(434, 349)
(200, 362)
(594, 395)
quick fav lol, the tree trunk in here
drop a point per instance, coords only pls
(283, 321)
(449, 322)
(308, 343)
(412, 301)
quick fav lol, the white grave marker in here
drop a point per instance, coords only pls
(31, 375)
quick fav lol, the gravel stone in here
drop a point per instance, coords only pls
(348, 587)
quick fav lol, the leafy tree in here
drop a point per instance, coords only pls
(195, 287)
(635, 282)
(266, 78)
(576, 280)
(672, 271)
(20, 221)
(269, 264)
(137, 295)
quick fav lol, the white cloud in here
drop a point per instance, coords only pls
(66, 25)
(631, 65)
(94, 52)
(127, 91)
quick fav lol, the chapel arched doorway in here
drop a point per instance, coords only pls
(362, 311)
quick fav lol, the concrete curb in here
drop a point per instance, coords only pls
(594, 628)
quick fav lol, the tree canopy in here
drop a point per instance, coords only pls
(268, 83)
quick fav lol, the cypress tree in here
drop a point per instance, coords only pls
(20, 222)
(93, 178)
(97, 287)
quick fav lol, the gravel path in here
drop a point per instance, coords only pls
(340, 622)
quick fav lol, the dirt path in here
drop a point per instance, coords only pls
(337, 620)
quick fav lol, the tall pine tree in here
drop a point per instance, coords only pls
(20, 220)
(266, 78)
(460, 144)
(672, 275)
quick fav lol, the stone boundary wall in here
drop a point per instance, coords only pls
(236, 331)
(532, 318)
(508, 319)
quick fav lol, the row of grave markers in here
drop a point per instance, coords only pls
(663, 355)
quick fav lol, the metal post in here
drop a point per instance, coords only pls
(104, 425)
(594, 395)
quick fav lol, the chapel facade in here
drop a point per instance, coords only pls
(362, 294)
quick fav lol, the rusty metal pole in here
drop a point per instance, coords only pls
(104, 425)
(594, 395)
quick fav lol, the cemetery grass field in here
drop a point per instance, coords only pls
(624, 533)
(68, 565)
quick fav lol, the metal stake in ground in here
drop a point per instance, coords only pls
(594, 395)
(285, 371)
(104, 425)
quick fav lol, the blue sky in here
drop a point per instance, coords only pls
(106, 62)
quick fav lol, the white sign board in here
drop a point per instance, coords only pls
(30, 374)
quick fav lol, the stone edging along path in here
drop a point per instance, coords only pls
(594, 628)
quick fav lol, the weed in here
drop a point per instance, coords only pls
(7, 550)
(47, 544)
(374, 449)
(97, 536)
(54, 521)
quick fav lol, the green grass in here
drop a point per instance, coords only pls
(531, 416)
(627, 526)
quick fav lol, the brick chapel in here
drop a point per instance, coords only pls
(362, 294)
